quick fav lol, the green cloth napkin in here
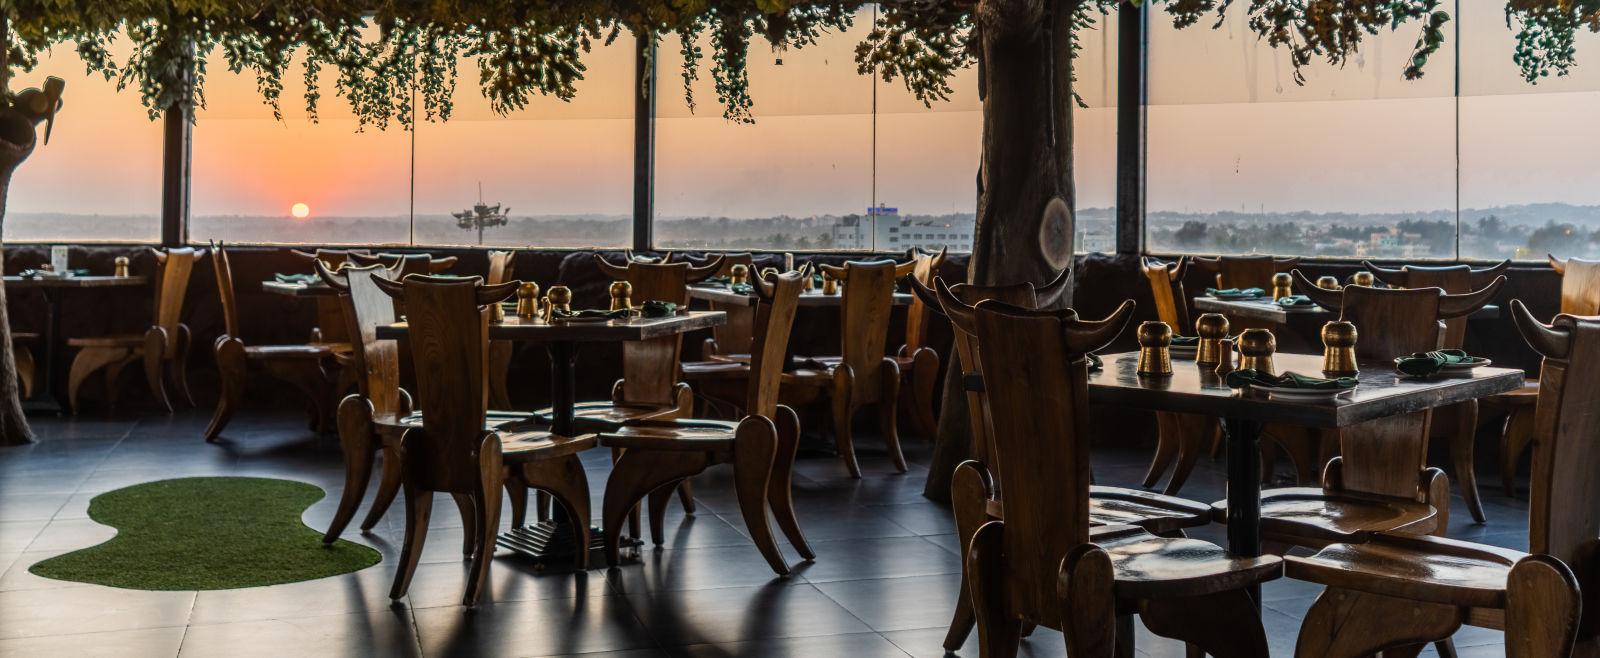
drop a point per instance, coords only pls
(1094, 362)
(743, 288)
(1185, 341)
(1296, 300)
(31, 274)
(1243, 378)
(1231, 292)
(307, 279)
(655, 309)
(591, 313)
(1423, 364)
(719, 280)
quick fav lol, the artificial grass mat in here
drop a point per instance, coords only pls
(207, 533)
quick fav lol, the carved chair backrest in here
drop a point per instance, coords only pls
(1580, 285)
(778, 297)
(333, 257)
(1564, 502)
(1036, 379)
(924, 266)
(330, 312)
(650, 367)
(502, 264)
(409, 263)
(1246, 271)
(1453, 279)
(449, 337)
(1166, 286)
(367, 307)
(1395, 322)
(868, 300)
(172, 284)
(735, 336)
(230, 304)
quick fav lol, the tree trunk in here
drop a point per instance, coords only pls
(1025, 193)
(17, 140)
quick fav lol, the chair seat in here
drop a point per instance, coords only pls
(729, 358)
(520, 447)
(24, 337)
(119, 340)
(695, 434)
(613, 413)
(1314, 516)
(317, 351)
(1147, 566)
(392, 425)
(1418, 568)
(1528, 395)
(827, 362)
(1159, 514)
(703, 370)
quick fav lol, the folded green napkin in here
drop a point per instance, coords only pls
(1185, 341)
(1243, 378)
(655, 309)
(307, 279)
(1094, 362)
(743, 288)
(591, 313)
(1296, 300)
(31, 274)
(719, 280)
(1235, 292)
(1423, 364)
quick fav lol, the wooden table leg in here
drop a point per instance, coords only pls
(1244, 492)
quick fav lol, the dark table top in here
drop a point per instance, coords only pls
(1263, 308)
(813, 297)
(637, 328)
(1383, 391)
(75, 281)
(318, 289)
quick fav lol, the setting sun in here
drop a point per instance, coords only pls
(300, 211)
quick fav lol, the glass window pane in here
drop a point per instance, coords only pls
(1094, 137)
(99, 178)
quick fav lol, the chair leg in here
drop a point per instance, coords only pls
(1086, 585)
(753, 448)
(1543, 605)
(686, 497)
(88, 361)
(1514, 440)
(564, 480)
(1222, 624)
(231, 366)
(178, 366)
(659, 499)
(1167, 440)
(419, 506)
(356, 442)
(518, 493)
(970, 490)
(634, 530)
(637, 473)
(1325, 632)
(780, 489)
(155, 356)
(844, 408)
(114, 375)
(499, 366)
(889, 379)
(999, 634)
(491, 477)
(1193, 431)
(541, 506)
(924, 379)
(467, 505)
(1462, 446)
(312, 380)
(25, 367)
(388, 486)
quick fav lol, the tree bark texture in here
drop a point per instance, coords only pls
(17, 140)
(1025, 223)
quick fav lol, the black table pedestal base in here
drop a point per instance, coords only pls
(549, 545)
(1244, 491)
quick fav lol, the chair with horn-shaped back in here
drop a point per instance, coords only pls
(919, 362)
(409, 263)
(731, 341)
(1580, 295)
(452, 451)
(502, 267)
(1457, 424)
(301, 365)
(164, 346)
(1180, 436)
(862, 373)
(1381, 481)
(330, 314)
(1044, 563)
(973, 507)
(657, 455)
(1396, 592)
(1245, 272)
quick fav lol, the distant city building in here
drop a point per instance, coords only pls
(883, 229)
(1096, 241)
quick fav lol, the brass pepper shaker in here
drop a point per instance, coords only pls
(1255, 350)
(1225, 351)
(528, 300)
(1212, 328)
(1282, 285)
(121, 266)
(1339, 348)
(560, 299)
(738, 274)
(829, 286)
(1328, 283)
(621, 295)
(1362, 278)
(1155, 359)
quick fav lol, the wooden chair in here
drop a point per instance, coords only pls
(1245, 271)
(863, 374)
(164, 347)
(1381, 481)
(330, 327)
(918, 361)
(24, 360)
(434, 265)
(1580, 295)
(301, 365)
(1396, 592)
(1042, 563)
(1162, 515)
(452, 451)
(658, 455)
(1457, 424)
(502, 265)
(1180, 436)
(731, 340)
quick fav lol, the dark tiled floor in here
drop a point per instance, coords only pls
(883, 584)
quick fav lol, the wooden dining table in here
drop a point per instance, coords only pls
(722, 294)
(52, 287)
(1382, 392)
(1265, 308)
(292, 289)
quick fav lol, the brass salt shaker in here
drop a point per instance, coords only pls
(528, 300)
(497, 313)
(1212, 329)
(621, 295)
(738, 275)
(1282, 285)
(1225, 351)
(121, 266)
(559, 298)
(1362, 278)
(1255, 350)
(1328, 282)
(1339, 348)
(829, 285)
(1155, 358)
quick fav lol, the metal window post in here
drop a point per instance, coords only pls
(1132, 95)
(644, 143)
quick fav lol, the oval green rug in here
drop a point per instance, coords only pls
(207, 533)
